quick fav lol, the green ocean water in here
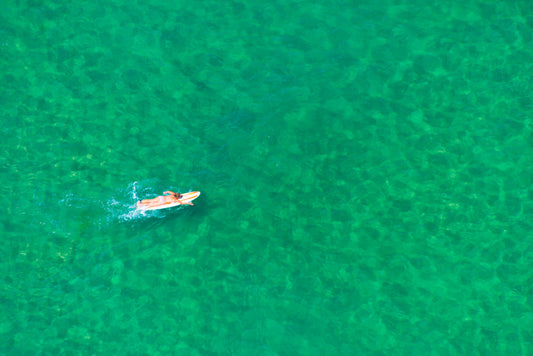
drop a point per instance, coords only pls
(365, 169)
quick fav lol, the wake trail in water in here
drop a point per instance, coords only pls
(124, 208)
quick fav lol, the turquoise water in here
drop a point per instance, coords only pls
(365, 170)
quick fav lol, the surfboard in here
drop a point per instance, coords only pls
(185, 198)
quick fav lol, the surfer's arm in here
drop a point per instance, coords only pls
(168, 192)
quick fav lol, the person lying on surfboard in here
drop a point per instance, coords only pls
(162, 200)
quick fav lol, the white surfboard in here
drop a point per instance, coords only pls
(185, 198)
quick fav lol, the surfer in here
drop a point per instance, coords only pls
(171, 198)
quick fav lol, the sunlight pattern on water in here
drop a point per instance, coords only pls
(364, 169)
